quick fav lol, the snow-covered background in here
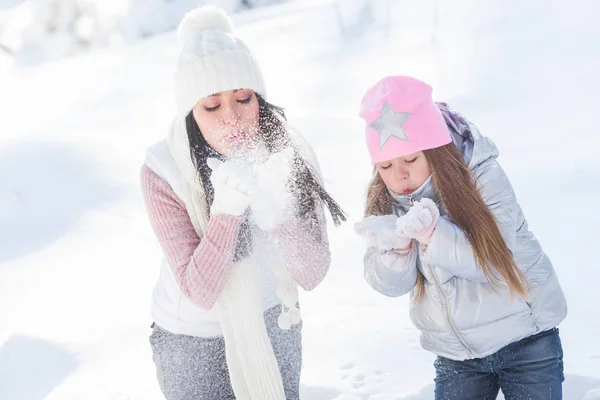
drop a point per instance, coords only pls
(34, 31)
(78, 259)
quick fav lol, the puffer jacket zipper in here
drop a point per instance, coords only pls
(447, 314)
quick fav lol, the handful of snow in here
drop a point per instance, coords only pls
(416, 220)
(271, 199)
(420, 221)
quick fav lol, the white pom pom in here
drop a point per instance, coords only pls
(290, 299)
(200, 19)
(284, 321)
(295, 315)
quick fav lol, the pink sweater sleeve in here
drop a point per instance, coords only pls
(200, 266)
(305, 245)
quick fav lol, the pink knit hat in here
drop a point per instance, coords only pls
(401, 119)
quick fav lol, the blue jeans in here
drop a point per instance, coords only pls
(530, 369)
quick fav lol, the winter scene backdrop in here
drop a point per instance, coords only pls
(86, 86)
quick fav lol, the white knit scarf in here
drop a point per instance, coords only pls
(252, 365)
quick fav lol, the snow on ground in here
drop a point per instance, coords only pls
(78, 259)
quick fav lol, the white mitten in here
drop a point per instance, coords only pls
(381, 231)
(231, 188)
(420, 221)
(271, 200)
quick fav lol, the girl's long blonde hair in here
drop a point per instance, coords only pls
(461, 200)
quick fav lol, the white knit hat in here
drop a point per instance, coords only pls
(212, 59)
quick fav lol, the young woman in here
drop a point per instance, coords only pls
(236, 200)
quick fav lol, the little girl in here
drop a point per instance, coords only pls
(444, 224)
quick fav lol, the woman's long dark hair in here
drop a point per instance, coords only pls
(305, 188)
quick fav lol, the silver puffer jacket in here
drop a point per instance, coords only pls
(462, 315)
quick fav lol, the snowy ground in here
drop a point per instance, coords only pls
(78, 259)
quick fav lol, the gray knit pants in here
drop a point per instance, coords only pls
(192, 368)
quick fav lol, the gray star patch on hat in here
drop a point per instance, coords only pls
(390, 123)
